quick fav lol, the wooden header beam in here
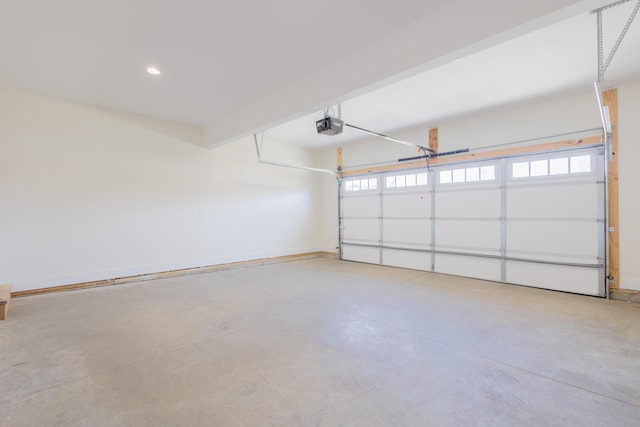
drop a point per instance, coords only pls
(593, 140)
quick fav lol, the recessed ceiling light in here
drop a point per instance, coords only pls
(153, 71)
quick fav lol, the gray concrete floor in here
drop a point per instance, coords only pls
(319, 342)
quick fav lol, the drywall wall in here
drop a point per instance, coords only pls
(328, 226)
(629, 179)
(564, 113)
(88, 194)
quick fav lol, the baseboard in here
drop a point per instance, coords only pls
(176, 273)
(630, 283)
(625, 295)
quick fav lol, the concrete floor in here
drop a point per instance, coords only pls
(319, 342)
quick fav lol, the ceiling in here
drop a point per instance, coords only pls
(238, 67)
(558, 58)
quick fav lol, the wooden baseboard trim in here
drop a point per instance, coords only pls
(176, 273)
(625, 295)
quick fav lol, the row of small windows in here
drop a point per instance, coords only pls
(474, 174)
(395, 181)
(533, 168)
(406, 180)
(361, 184)
(545, 167)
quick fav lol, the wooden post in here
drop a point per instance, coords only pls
(433, 139)
(610, 99)
(5, 300)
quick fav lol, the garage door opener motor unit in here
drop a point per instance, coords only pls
(329, 126)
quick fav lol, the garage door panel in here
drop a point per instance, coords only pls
(361, 230)
(407, 205)
(407, 259)
(563, 238)
(469, 203)
(557, 277)
(409, 231)
(570, 201)
(361, 206)
(468, 234)
(480, 268)
(361, 254)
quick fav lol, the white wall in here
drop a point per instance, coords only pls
(564, 113)
(328, 226)
(90, 194)
(629, 183)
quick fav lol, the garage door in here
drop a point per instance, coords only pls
(534, 220)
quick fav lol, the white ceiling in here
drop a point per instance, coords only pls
(237, 67)
(558, 58)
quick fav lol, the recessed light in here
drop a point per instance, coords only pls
(153, 71)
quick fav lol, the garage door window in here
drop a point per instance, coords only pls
(406, 180)
(473, 174)
(364, 184)
(549, 167)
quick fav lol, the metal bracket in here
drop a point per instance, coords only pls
(606, 121)
(286, 165)
(602, 64)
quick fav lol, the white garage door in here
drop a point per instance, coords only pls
(534, 220)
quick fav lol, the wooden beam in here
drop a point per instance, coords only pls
(5, 300)
(433, 139)
(339, 159)
(625, 295)
(593, 140)
(610, 99)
